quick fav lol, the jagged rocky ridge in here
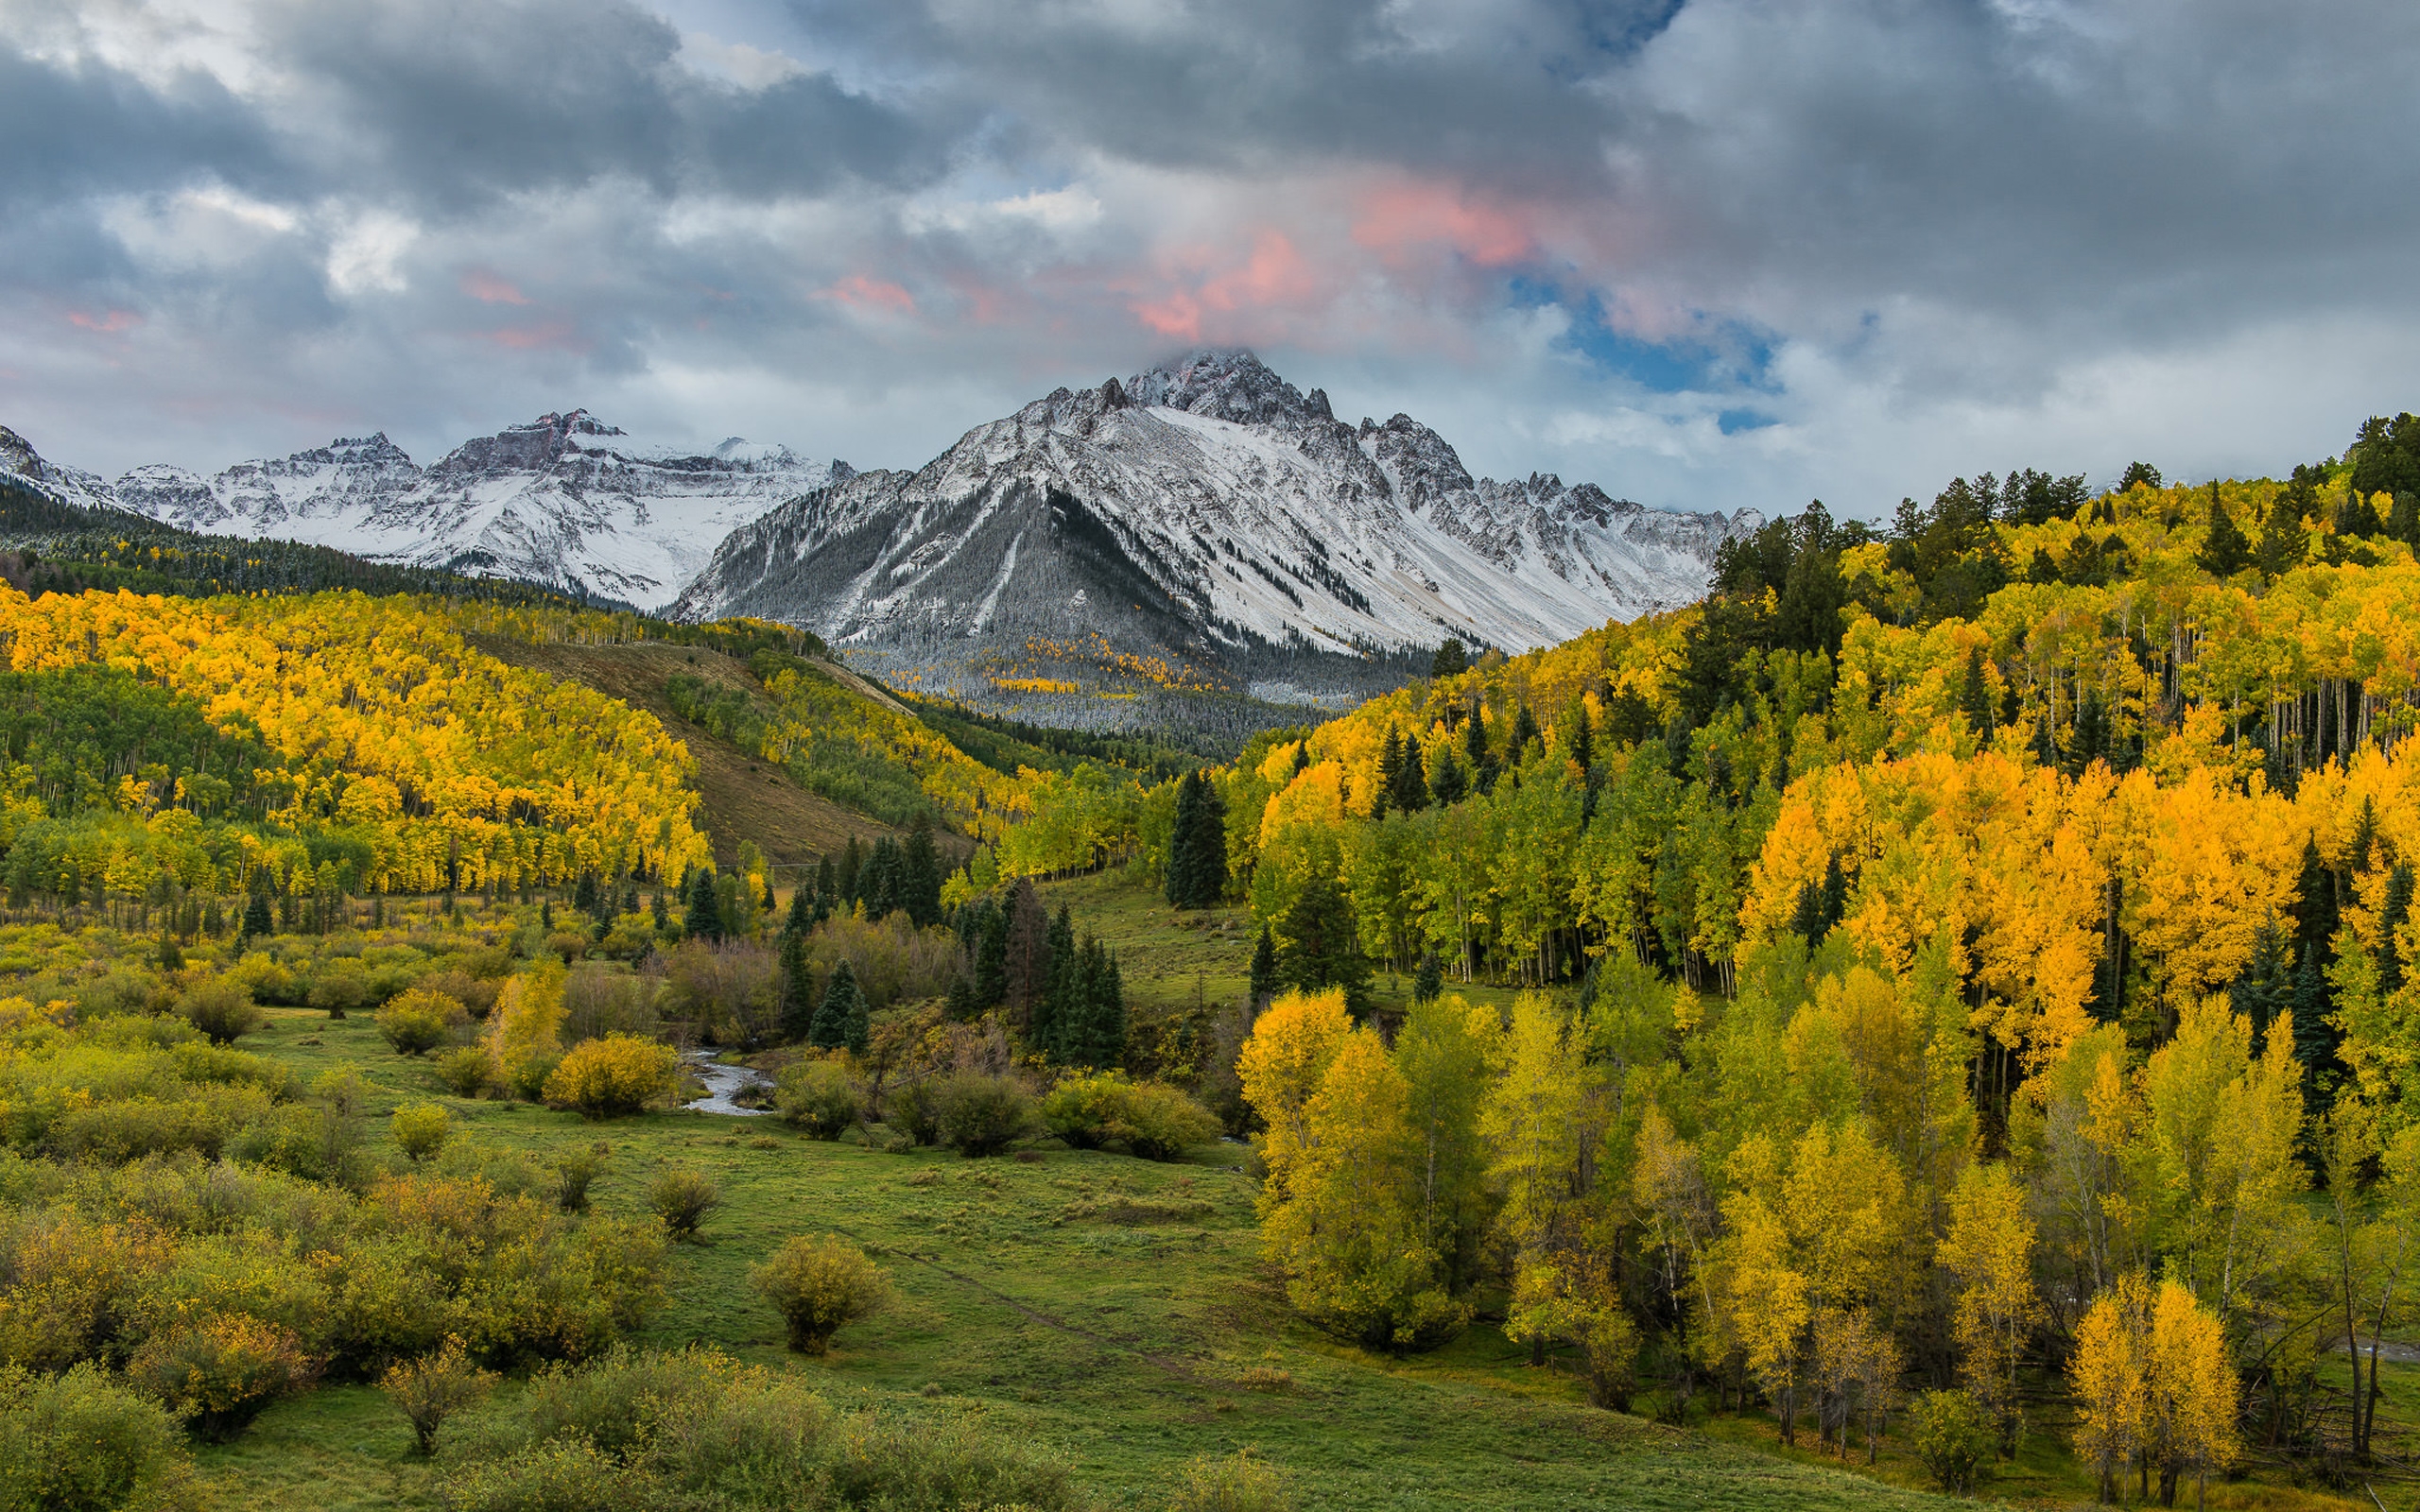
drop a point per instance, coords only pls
(566, 501)
(1211, 514)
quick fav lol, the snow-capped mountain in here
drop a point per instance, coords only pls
(19, 460)
(1207, 511)
(565, 500)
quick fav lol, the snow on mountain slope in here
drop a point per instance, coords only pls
(565, 500)
(1208, 512)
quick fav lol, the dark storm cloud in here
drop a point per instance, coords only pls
(70, 132)
(1586, 233)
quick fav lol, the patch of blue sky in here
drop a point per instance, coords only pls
(1727, 357)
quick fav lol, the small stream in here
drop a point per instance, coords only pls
(723, 1083)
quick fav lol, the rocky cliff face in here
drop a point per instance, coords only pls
(1210, 514)
(565, 500)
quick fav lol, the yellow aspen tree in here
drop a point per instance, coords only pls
(524, 1030)
(1541, 1123)
(1767, 1301)
(1281, 1068)
(1348, 1235)
(2190, 1400)
(1989, 1248)
(2108, 1378)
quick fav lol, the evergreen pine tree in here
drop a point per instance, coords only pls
(1055, 1009)
(660, 911)
(1322, 944)
(798, 987)
(1451, 660)
(843, 1005)
(2314, 1036)
(1448, 783)
(1182, 871)
(920, 873)
(853, 861)
(2355, 517)
(1579, 739)
(1264, 970)
(827, 890)
(1390, 773)
(802, 914)
(1302, 757)
(2365, 838)
(584, 894)
(702, 912)
(546, 914)
(2316, 920)
(1475, 749)
(1208, 856)
(2281, 542)
(856, 1026)
(1975, 697)
(2224, 551)
(2392, 911)
(1429, 980)
(257, 924)
(1524, 729)
(1412, 781)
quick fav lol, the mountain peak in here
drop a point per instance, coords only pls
(1230, 384)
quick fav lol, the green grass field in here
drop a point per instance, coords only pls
(1104, 1310)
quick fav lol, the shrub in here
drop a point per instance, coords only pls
(683, 1197)
(80, 1442)
(1240, 1483)
(420, 1021)
(476, 994)
(217, 1374)
(568, 1475)
(1952, 1436)
(976, 1114)
(434, 1387)
(913, 1110)
(575, 1172)
(618, 1075)
(464, 1071)
(338, 987)
(1153, 1122)
(821, 1097)
(820, 1286)
(223, 1009)
(421, 1130)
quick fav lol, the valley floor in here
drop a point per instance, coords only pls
(1106, 1310)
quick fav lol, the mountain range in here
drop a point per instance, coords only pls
(1201, 526)
(565, 500)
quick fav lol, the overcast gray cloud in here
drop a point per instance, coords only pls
(1707, 253)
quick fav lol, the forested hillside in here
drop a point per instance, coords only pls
(1966, 954)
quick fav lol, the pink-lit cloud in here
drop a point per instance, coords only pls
(1399, 220)
(489, 289)
(871, 296)
(1274, 278)
(108, 324)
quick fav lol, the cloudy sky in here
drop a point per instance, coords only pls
(1704, 252)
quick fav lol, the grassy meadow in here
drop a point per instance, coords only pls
(1105, 1309)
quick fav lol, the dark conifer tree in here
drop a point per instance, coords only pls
(1026, 956)
(1446, 783)
(798, 987)
(2392, 911)
(1322, 944)
(2090, 737)
(990, 975)
(1429, 981)
(1451, 660)
(802, 914)
(702, 912)
(1264, 970)
(1208, 856)
(584, 894)
(1579, 739)
(660, 911)
(2224, 551)
(843, 1006)
(853, 861)
(920, 873)
(2315, 1035)
(827, 890)
(1390, 773)
(258, 923)
(1180, 863)
(1411, 778)
(1524, 729)
(1975, 697)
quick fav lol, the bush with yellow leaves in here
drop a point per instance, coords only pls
(618, 1075)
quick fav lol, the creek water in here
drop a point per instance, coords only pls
(723, 1083)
